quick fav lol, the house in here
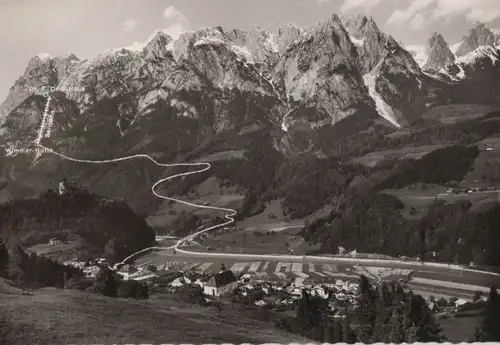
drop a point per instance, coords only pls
(319, 291)
(127, 270)
(459, 303)
(220, 283)
(260, 303)
(54, 241)
(433, 307)
(91, 271)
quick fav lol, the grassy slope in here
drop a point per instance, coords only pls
(51, 316)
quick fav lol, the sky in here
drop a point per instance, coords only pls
(89, 27)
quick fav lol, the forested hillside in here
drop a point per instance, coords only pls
(98, 225)
(446, 232)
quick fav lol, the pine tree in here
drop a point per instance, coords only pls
(429, 330)
(328, 336)
(396, 332)
(303, 309)
(411, 334)
(106, 283)
(17, 263)
(364, 285)
(348, 335)
(490, 324)
(4, 259)
(110, 251)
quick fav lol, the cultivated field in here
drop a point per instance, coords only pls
(61, 251)
(224, 155)
(449, 114)
(258, 241)
(372, 158)
(422, 197)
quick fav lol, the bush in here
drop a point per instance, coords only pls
(106, 283)
(128, 289)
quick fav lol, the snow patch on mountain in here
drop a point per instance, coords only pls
(454, 47)
(482, 51)
(384, 109)
(170, 46)
(271, 43)
(208, 41)
(242, 52)
(44, 56)
(357, 41)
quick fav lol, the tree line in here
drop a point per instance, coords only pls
(31, 270)
(373, 223)
(384, 313)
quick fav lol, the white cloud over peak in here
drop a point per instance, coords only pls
(473, 10)
(178, 22)
(412, 14)
(129, 25)
(420, 12)
(349, 5)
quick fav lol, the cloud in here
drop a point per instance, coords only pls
(171, 13)
(349, 5)
(129, 25)
(411, 14)
(418, 22)
(421, 12)
(177, 24)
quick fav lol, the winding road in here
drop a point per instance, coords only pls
(432, 276)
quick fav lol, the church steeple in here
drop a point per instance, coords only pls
(222, 267)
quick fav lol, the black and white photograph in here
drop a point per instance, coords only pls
(249, 172)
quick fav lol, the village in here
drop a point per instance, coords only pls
(258, 289)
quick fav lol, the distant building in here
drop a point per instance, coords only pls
(220, 283)
(91, 271)
(460, 303)
(54, 241)
(61, 188)
(433, 307)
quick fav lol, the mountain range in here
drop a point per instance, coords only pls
(214, 89)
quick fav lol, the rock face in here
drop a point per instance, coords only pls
(390, 72)
(439, 53)
(320, 71)
(39, 72)
(479, 35)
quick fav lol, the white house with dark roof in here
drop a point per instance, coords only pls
(220, 283)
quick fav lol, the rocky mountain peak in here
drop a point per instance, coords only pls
(286, 35)
(261, 45)
(238, 36)
(371, 44)
(159, 46)
(438, 52)
(479, 35)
